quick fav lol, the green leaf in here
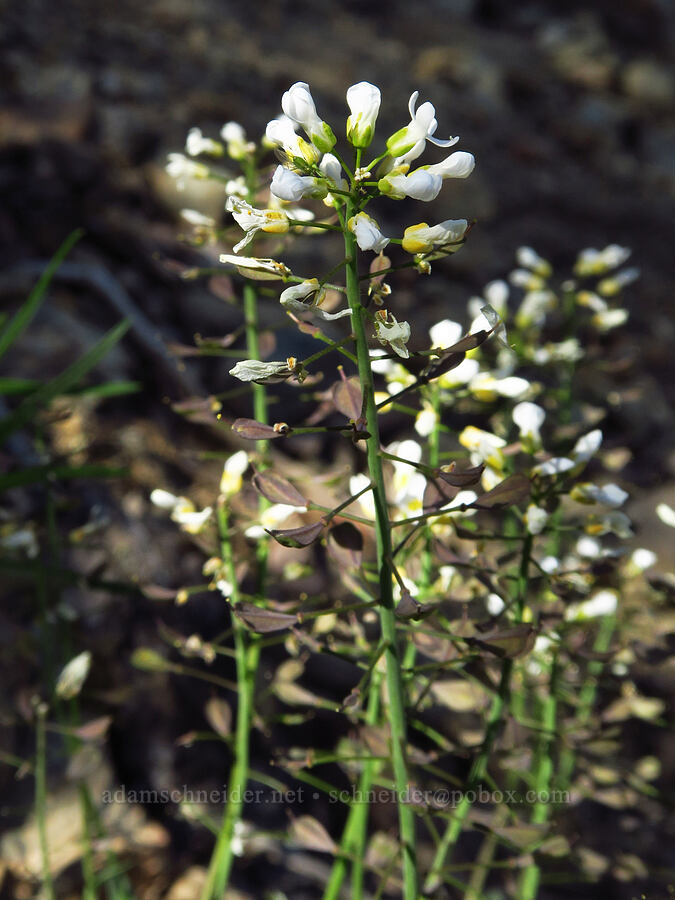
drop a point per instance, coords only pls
(11, 386)
(62, 382)
(25, 314)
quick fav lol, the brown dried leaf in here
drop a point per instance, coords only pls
(380, 263)
(461, 478)
(95, 730)
(345, 545)
(438, 494)
(512, 490)
(219, 716)
(509, 643)
(263, 620)
(298, 537)
(309, 833)
(255, 431)
(408, 607)
(348, 397)
(522, 837)
(157, 592)
(277, 489)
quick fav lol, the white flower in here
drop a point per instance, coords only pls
(224, 586)
(614, 522)
(497, 294)
(183, 511)
(602, 603)
(298, 104)
(459, 164)
(253, 220)
(272, 517)
(555, 466)
(535, 519)
(290, 186)
(332, 170)
(163, 499)
(568, 350)
(22, 539)
(358, 483)
(259, 269)
(445, 333)
(590, 300)
(237, 841)
(526, 279)
(484, 446)
(282, 132)
(426, 421)
(182, 168)
(484, 386)
(461, 374)
(235, 137)
(587, 446)
(196, 143)
(367, 232)
(643, 559)
(597, 262)
(530, 259)
(262, 372)
(423, 238)
(535, 305)
(494, 604)
(420, 185)
(304, 292)
(199, 220)
(605, 320)
(666, 513)
(363, 100)
(389, 331)
(305, 299)
(411, 139)
(609, 494)
(610, 287)
(190, 519)
(72, 676)
(237, 186)
(528, 417)
(234, 468)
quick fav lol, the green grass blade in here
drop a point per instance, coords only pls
(24, 316)
(62, 382)
(12, 386)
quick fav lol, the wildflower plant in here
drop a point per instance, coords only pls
(469, 553)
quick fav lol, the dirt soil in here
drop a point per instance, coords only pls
(569, 108)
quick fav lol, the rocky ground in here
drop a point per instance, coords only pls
(568, 107)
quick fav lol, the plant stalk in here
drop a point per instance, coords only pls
(396, 711)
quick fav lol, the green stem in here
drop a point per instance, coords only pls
(500, 703)
(396, 711)
(41, 798)
(246, 645)
(247, 658)
(587, 695)
(353, 843)
(543, 773)
(476, 775)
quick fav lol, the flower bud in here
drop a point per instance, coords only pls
(367, 232)
(420, 185)
(363, 100)
(422, 238)
(298, 105)
(290, 186)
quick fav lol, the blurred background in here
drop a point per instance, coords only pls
(569, 109)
